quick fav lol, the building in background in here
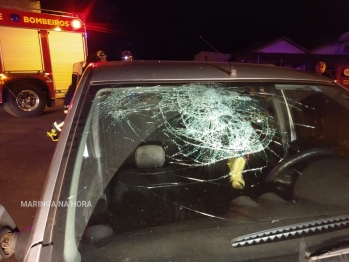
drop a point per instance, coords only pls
(281, 52)
(286, 53)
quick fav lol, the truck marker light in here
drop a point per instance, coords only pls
(76, 24)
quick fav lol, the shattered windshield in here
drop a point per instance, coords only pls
(168, 169)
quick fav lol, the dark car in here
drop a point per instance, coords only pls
(195, 161)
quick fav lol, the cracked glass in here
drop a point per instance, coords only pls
(187, 156)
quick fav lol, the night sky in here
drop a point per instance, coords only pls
(170, 29)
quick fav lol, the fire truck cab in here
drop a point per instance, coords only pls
(37, 52)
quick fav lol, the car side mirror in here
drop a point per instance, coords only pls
(11, 240)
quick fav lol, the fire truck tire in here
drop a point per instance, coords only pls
(25, 100)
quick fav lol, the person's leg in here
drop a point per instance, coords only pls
(56, 128)
(68, 97)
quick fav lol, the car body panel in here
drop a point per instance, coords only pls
(141, 72)
(177, 70)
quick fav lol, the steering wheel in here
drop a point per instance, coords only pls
(283, 174)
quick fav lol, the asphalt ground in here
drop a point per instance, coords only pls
(25, 156)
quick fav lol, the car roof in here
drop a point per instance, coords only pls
(195, 70)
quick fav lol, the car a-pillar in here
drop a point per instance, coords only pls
(24, 98)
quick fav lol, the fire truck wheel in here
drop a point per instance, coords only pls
(25, 100)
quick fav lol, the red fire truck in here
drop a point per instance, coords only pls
(37, 52)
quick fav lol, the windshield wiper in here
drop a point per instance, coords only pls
(309, 228)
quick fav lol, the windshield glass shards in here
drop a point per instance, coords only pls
(195, 165)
